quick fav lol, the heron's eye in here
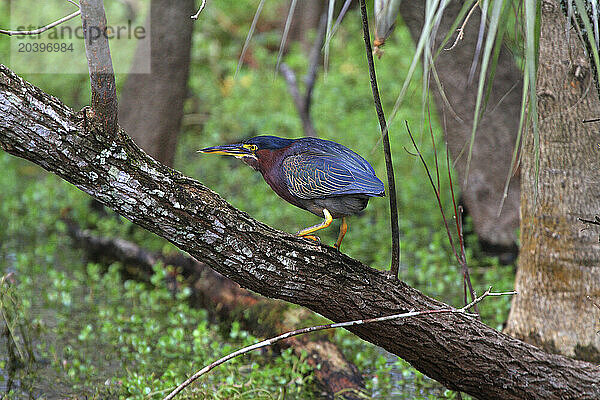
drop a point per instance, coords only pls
(252, 147)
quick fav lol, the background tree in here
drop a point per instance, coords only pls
(497, 131)
(307, 15)
(559, 263)
(155, 123)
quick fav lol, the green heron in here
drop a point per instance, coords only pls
(317, 175)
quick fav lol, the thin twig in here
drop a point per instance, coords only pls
(395, 264)
(195, 16)
(457, 213)
(462, 259)
(435, 157)
(271, 341)
(461, 30)
(42, 29)
(459, 254)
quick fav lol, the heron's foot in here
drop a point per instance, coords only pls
(311, 237)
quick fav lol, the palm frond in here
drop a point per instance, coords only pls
(286, 31)
(489, 45)
(249, 36)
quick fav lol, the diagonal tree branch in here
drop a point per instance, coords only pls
(455, 349)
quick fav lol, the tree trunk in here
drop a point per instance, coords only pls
(306, 19)
(456, 349)
(497, 131)
(559, 263)
(151, 106)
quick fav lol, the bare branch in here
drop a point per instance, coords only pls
(300, 101)
(195, 16)
(102, 76)
(302, 331)
(44, 28)
(303, 102)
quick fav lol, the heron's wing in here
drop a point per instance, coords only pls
(314, 175)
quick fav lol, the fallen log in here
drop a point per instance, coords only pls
(226, 299)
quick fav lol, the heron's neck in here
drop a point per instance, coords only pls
(266, 162)
(253, 162)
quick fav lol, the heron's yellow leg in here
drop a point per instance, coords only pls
(343, 230)
(326, 222)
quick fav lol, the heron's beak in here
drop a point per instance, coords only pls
(238, 150)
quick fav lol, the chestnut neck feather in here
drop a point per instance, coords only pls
(268, 162)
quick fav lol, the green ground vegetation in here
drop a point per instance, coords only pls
(58, 309)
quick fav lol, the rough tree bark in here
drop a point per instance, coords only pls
(559, 263)
(457, 350)
(497, 130)
(154, 123)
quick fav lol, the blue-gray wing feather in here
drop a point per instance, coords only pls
(312, 175)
